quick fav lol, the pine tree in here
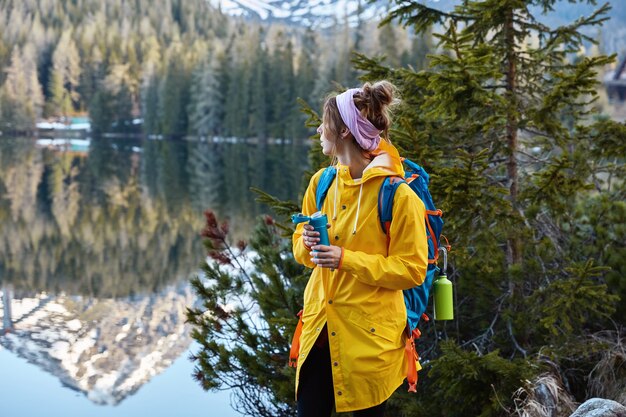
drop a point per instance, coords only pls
(358, 29)
(5, 52)
(421, 45)
(237, 97)
(65, 76)
(195, 109)
(173, 93)
(14, 114)
(306, 76)
(149, 92)
(259, 110)
(102, 112)
(92, 73)
(34, 93)
(150, 102)
(21, 94)
(282, 85)
(119, 85)
(388, 42)
(252, 310)
(343, 72)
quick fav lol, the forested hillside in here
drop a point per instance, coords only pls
(183, 67)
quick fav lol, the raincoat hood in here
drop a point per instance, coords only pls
(386, 162)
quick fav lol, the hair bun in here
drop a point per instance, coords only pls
(374, 102)
(381, 93)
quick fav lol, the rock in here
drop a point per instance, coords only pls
(598, 407)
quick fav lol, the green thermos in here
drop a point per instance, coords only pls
(443, 297)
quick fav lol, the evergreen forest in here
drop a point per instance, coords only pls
(176, 67)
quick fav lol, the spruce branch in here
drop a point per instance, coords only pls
(570, 35)
(420, 17)
(372, 67)
(313, 119)
(282, 208)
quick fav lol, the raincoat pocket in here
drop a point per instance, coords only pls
(386, 330)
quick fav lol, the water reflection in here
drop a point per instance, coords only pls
(105, 348)
(97, 244)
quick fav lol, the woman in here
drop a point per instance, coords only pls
(351, 347)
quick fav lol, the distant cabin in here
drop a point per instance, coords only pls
(615, 82)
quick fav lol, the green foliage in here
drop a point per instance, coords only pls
(519, 173)
(249, 303)
(568, 306)
(485, 386)
(150, 100)
(283, 208)
(598, 232)
(464, 106)
(462, 382)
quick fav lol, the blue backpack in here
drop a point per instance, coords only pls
(416, 298)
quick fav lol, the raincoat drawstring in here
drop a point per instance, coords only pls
(335, 202)
(358, 208)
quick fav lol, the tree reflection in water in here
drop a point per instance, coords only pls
(124, 218)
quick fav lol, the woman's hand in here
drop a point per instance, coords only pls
(310, 237)
(326, 256)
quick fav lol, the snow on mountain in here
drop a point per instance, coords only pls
(316, 13)
(326, 13)
(106, 349)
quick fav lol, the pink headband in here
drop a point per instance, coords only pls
(365, 133)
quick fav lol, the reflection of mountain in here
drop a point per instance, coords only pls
(104, 348)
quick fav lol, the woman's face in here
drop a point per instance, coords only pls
(328, 145)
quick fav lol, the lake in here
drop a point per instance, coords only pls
(98, 241)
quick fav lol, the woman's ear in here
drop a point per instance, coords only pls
(345, 132)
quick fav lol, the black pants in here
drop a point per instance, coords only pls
(315, 391)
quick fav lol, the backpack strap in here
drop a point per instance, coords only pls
(412, 356)
(385, 202)
(323, 185)
(412, 359)
(295, 343)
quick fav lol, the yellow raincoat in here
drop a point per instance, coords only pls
(361, 302)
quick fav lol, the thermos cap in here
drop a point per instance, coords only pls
(318, 220)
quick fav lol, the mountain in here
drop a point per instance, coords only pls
(316, 13)
(108, 348)
(326, 13)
